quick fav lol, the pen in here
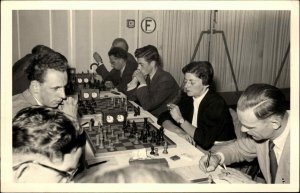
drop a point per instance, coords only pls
(94, 164)
(208, 159)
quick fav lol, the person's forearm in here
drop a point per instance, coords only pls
(172, 127)
(188, 128)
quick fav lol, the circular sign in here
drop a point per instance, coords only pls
(148, 25)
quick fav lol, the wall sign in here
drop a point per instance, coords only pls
(148, 25)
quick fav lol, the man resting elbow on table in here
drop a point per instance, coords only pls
(201, 116)
(265, 118)
(151, 86)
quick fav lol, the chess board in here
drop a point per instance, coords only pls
(104, 105)
(126, 142)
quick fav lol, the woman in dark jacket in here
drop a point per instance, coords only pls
(201, 116)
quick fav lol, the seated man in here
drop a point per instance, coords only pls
(123, 64)
(265, 118)
(201, 115)
(47, 74)
(121, 74)
(46, 146)
(151, 86)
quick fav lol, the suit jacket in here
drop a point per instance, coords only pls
(114, 75)
(214, 121)
(22, 100)
(248, 149)
(160, 91)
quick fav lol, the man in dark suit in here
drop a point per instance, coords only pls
(265, 118)
(122, 71)
(151, 86)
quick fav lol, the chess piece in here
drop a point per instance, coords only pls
(112, 132)
(156, 151)
(111, 146)
(105, 135)
(97, 140)
(142, 135)
(152, 151)
(136, 141)
(117, 138)
(101, 145)
(122, 134)
(165, 151)
(153, 139)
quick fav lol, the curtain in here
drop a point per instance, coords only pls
(257, 42)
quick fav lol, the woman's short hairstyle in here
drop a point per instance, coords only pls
(140, 174)
(149, 53)
(44, 131)
(202, 69)
(266, 99)
(118, 53)
(45, 58)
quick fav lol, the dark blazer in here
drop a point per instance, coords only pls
(214, 119)
(114, 75)
(160, 91)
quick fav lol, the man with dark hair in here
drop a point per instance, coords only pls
(47, 74)
(151, 86)
(264, 117)
(123, 65)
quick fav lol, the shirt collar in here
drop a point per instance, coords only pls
(280, 140)
(198, 99)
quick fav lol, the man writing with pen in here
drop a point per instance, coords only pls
(264, 117)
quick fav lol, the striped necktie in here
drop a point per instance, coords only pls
(273, 161)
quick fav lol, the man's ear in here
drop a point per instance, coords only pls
(276, 122)
(35, 86)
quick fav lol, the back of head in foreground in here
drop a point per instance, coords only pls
(46, 146)
(140, 174)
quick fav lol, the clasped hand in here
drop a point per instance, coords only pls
(139, 76)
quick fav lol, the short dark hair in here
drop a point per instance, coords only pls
(118, 53)
(45, 131)
(43, 60)
(121, 40)
(266, 99)
(149, 53)
(202, 69)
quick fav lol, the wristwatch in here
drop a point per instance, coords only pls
(181, 121)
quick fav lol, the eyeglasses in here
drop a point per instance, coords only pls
(68, 175)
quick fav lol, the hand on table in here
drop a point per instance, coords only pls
(211, 164)
(187, 137)
(234, 176)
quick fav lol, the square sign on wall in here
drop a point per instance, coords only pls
(130, 23)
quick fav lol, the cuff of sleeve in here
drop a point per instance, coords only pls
(142, 85)
(130, 87)
(221, 156)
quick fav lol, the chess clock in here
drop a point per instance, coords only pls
(89, 94)
(83, 78)
(111, 117)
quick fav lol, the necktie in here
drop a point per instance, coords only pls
(273, 161)
(148, 80)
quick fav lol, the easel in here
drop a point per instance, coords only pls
(211, 32)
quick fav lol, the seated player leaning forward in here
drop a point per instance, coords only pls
(122, 71)
(46, 146)
(265, 118)
(47, 74)
(201, 116)
(151, 86)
